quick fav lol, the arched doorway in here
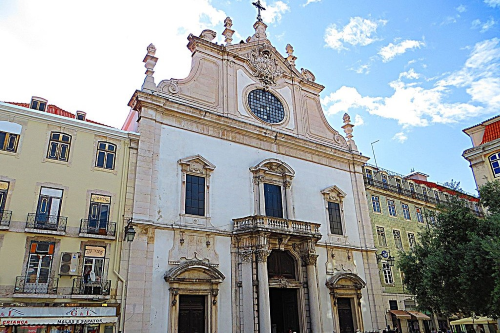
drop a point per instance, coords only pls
(283, 292)
(345, 291)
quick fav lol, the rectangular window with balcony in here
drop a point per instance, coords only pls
(387, 270)
(48, 208)
(376, 204)
(106, 153)
(412, 190)
(272, 196)
(406, 211)
(335, 218)
(195, 195)
(8, 141)
(398, 185)
(369, 177)
(59, 145)
(381, 236)
(39, 263)
(420, 217)
(94, 272)
(397, 239)
(436, 195)
(411, 239)
(424, 193)
(4, 215)
(391, 207)
(98, 218)
(385, 183)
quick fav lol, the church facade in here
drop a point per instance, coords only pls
(250, 209)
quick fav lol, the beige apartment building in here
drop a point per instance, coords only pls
(62, 208)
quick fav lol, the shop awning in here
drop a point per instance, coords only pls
(57, 321)
(400, 314)
(469, 321)
(419, 315)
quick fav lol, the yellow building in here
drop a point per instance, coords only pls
(62, 210)
(484, 156)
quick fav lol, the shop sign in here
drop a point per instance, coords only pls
(57, 321)
(72, 312)
(100, 199)
(95, 251)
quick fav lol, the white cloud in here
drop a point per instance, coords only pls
(461, 9)
(492, 3)
(358, 31)
(401, 137)
(363, 69)
(358, 120)
(274, 12)
(309, 2)
(390, 51)
(346, 98)
(67, 56)
(412, 104)
(488, 24)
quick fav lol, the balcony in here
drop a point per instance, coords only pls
(400, 190)
(97, 228)
(32, 284)
(96, 288)
(46, 222)
(276, 224)
(5, 216)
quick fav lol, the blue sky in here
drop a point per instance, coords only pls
(412, 74)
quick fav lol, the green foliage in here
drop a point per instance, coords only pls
(455, 266)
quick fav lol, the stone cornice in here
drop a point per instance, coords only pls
(13, 110)
(486, 148)
(227, 128)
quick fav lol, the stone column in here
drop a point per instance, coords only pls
(312, 284)
(288, 195)
(247, 294)
(264, 302)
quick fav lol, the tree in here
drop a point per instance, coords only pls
(455, 266)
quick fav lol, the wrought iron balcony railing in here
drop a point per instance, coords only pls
(5, 216)
(276, 224)
(31, 284)
(80, 287)
(97, 228)
(46, 222)
(400, 190)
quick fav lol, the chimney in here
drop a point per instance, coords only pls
(38, 103)
(81, 115)
(417, 176)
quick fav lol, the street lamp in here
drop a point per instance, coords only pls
(129, 232)
(386, 255)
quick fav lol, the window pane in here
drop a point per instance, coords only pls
(272, 195)
(53, 150)
(335, 218)
(100, 159)
(110, 161)
(195, 195)
(3, 145)
(12, 143)
(64, 152)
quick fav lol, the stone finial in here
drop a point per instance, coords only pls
(208, 35)
(260, 31)
(348, 131)
(228, 32)
(150, 62)
(291, 58)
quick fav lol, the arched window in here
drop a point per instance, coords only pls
(281, 264)
(9, 136)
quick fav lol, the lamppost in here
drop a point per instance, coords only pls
(128, 235)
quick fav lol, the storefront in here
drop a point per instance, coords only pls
(58, 319)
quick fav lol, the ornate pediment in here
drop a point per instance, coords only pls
(333, 193)
(345, 281)
(194, 270)
(196, 164)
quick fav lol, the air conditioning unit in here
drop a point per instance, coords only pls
(69, 263)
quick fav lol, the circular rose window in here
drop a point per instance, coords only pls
(266, 106)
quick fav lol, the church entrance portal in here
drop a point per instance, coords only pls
(191, 314)
(284, 310)
(345, 315)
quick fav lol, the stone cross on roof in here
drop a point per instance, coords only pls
(259, 8)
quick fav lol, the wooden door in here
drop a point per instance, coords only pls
(191, 314)
(346, 322)
(284, 310)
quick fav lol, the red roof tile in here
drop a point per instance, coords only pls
(491, 132)
(53, 109)
(445, 189)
